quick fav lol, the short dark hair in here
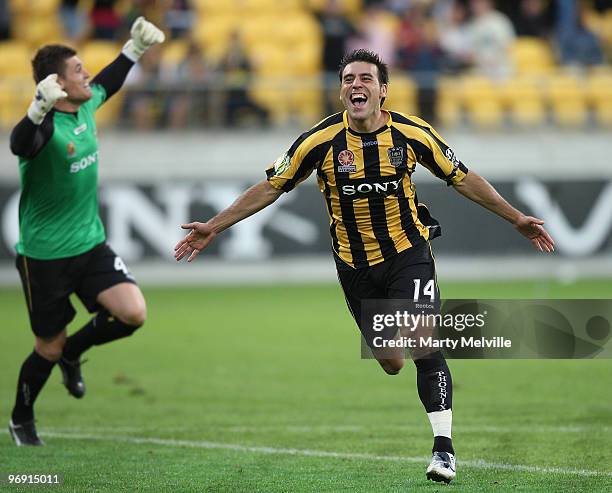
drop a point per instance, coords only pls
(50, 59)
(368, 57)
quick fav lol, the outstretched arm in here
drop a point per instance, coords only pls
(144, 34)
(253, 200)
(476, 188)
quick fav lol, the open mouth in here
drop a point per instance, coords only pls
(359, 100)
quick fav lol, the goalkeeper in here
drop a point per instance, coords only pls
(61, 248)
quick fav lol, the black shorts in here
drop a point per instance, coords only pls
(48, 284)
(409, 275)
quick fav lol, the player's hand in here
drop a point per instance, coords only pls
(200, 236)
(48, 92)
(144, 35)
(531, 228)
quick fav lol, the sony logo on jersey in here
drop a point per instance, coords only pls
(86, 162)
(364, 189)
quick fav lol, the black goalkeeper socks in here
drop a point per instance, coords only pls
(34, 373)
(101, 329)
(443, 444)
(434, 383)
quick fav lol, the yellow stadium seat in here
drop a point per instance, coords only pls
(213, 6)
(15, 57)
(599, 93)
(448, 102)
(257, 28)
(273, 95)
(268, 59)
(98, 54)
(306, 101)
(532, 56)
(525, 101)
(38, 30)
(15, 97)
(349, 7)
(173, 52)
(482, 101)
(33, 8)
(305, 59)
(212, 33)
(108, 114)
(402, 95)
(567, 98)
(298, 28)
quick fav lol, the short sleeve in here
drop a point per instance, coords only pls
(295, 165)
(435, 154)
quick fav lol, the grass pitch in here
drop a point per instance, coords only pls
(262, 389)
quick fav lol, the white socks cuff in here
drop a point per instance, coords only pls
(441, 422)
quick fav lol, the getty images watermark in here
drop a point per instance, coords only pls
(487, 329)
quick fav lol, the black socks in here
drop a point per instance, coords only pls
(101, 329)
(434, 383)
(34, 373)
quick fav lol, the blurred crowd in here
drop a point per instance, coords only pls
(422, 38)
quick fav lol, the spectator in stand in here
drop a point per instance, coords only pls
(533, 19)
(238, 71)
(5, 20)
(179, 18)
(74, 21)
(577, 44)
(190, 98)
(491, 37)
(374, 33)
(144, 102)
(105, 20)
(419, 53)
(418, 47)
(455, 40)
(336, 29)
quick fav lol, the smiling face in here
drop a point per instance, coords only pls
(75, 81)
(361, 92)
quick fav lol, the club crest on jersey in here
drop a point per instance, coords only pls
(346, 162)
(396, 156)
(71, 149)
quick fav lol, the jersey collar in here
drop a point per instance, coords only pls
(381, 129)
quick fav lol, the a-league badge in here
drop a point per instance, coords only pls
(346, 162)
(71, 149)
(396, 156)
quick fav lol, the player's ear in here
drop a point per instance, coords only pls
(383, 90)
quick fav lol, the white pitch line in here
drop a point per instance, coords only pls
(476, 464)
(297, 428)
(402, 427)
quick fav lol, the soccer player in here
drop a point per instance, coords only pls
(364, 158)
(61, 248)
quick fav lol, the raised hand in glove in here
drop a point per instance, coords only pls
(48, 92)
(144, 35)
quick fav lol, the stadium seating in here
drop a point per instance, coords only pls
(481, 99)
(567, 99)
(532, 56)
(402, 95)
(285, 42)
(523, 98)
(599, 94)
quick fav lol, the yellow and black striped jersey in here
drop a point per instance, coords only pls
(366, 181)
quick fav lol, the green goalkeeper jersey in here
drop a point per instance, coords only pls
(58, 209)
